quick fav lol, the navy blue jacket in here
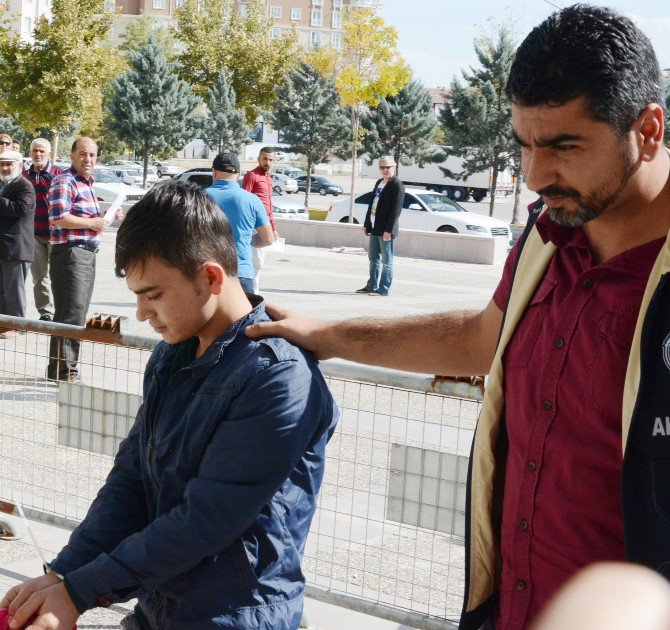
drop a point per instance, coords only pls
(205, 513)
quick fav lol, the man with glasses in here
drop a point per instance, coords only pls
(381, 225)
(5, 142)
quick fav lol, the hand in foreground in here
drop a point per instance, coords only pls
(97, 224)
(306, 332)
(40, 604)
(387, 236)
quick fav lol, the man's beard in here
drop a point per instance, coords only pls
(8, 178)
(595, 203)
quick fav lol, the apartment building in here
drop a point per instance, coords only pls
(23, 15)
(318, 22)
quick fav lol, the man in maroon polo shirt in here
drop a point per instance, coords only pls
(259, 182)
(586, 92)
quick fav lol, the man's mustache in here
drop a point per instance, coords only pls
(556, 191)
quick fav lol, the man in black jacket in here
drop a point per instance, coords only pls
(17, 217)
(381, 225)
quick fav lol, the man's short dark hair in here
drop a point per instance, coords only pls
(593, 52)
(179, 223)
(267, 150)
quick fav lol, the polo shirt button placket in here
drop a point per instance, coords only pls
(587, 283)
(532, 466)
(547, 405)
(520, 585)
(523, 525)
(559, 342)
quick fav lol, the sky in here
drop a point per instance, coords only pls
(435, 36)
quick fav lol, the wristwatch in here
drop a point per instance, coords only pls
(47, 569)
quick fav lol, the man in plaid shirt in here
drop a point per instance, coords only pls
(40, 175)
(76, 224)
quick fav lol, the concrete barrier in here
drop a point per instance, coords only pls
(483, 250)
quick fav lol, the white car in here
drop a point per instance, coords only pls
(134, 175)
(107, 187)
(284, 184)
(289, 171)
(163, 168)
(428, 211)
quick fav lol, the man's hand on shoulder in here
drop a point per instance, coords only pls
(40, 604)
(307, 332)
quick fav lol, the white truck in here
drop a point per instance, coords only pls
(432, 178)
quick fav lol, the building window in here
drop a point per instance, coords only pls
(243, 9)
(296, 14)
(28, 24)
(317, 3)
(159, 4)
(275, 32)
(180, 3)
(337, 19)
(337, 4)
(275, 12)
(315, 39)
(336, 40)
(316, 17)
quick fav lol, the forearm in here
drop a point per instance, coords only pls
(71, 222)
(452, 344)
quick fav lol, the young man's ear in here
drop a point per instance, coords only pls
(215, 276)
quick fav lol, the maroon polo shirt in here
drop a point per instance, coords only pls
(564, 373)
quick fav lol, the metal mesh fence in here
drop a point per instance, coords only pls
(389, 527)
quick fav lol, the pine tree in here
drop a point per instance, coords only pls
(402, 126)
(477, 115)
(309, 116)
(150, 107)
(226, 127)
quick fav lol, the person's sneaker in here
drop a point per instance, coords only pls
(46, 317)
(363, 290)
(377, 293)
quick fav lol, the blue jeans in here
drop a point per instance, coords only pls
(247, 284)
(380, 253)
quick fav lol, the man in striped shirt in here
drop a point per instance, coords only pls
(76, 224)
(40, 175)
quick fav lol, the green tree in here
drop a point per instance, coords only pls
(138, 32)
(57, 80)
(366, 69)
(402, 126)
(309, 116)
(216, 37)
(151, 108)
(225, 127)
(477, 117)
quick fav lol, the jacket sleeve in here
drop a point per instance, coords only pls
(368, 215)
(396, 198)
(118, 511)
(277, 414)
(18, 199)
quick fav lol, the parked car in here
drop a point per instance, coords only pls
(289, 171)
(163, 168)
(134, 175)
(283, 183)
(319, 184)
(283, 207)
(130, 163)
(429, 211)
(107, 186)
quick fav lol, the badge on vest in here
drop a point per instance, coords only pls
(666, 351)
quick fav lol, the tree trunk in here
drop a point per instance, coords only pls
(308, 183)
(517, 194)
(494, 185)
(54, 148)
(145, 161)
(355, 124)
